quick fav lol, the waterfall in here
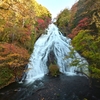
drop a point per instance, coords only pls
(54, 41)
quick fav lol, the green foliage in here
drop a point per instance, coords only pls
(63, 20)
(84, 26)
(5, 75)
(88, 46)
(77, 62)
(95, 72)
(54, 70)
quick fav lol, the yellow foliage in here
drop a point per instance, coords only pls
(2, 58)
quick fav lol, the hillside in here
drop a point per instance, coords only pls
(21, 23)
(82, 24)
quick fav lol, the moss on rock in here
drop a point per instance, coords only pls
(54, 70)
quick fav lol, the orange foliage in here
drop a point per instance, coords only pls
(13, 56)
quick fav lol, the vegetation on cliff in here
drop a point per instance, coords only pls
(21, 23)
(83, 23)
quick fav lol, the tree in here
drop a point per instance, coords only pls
(88, 46)
(63, 21)
(18, 19)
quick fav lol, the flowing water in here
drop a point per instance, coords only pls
(53, 41)
(68, 86)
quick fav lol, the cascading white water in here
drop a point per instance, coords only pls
(61, 46)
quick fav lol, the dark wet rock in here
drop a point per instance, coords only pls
(51, 58)
(52, 88)
(62, 88)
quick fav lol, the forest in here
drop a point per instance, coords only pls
(21, 23)
(82, 24)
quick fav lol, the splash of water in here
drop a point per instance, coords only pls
(61, 46)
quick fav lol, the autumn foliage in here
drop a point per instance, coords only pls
(21, 23)
(84, 26)
(13, 56)
(41, 24)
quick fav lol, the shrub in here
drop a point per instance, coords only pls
(54, 70)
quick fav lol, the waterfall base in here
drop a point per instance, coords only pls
(58, 88)
(64, 56)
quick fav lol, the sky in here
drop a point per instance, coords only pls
(55, 6)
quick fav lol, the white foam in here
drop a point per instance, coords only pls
(61, 46)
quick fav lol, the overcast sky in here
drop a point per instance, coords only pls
(55, 6)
